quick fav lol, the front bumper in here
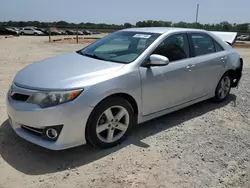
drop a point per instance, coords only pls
(72, 115)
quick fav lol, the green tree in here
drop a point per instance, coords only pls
(128, 25)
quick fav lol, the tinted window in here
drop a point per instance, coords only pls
(203, 44)
(175, 47)
(218, 47)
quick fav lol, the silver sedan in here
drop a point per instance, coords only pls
(95, 95)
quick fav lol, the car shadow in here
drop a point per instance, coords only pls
(34, 160)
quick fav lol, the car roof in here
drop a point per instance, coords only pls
(160, 30)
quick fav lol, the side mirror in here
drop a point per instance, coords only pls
(158, 60)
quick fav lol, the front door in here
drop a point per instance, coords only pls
(167, 86)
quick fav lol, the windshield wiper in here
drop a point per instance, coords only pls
(92, 55)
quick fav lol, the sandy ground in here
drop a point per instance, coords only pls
(205, 145)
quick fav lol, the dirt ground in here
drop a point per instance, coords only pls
(205, 145)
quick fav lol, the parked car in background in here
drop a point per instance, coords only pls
(86, 32)
(54, 31)
(9, 31)
(243, 37)
(30, 31)
(239, 37)
(97, 94)
(96, 32)
(45, 31)
(79, 32)
(63, 32)
(70, 32)
(14, 28)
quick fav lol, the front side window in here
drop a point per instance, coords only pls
(175, 47)
(203, 44)
(120, 47)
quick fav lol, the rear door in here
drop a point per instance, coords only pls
(210, 61)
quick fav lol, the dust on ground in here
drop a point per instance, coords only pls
(205, 145)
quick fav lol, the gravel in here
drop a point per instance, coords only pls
(205, 145)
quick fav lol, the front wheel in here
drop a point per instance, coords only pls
(110, 122)
(223, 88)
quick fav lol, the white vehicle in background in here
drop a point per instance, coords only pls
(243, 37)
(30, 31)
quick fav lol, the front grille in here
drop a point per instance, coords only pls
(33, 130)
(20, 97)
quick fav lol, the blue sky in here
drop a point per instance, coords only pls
(118, 12)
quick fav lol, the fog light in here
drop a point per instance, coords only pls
(51, 134)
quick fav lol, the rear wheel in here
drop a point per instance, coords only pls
(223, 88)
(35, 34)
(110, 122)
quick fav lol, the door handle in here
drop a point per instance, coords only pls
(190, 66)
(223, 59)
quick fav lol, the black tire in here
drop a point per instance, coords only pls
(91, 133)
(21, 33)
(217, 97)
(35, 34)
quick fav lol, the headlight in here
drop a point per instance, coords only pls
(49, 99)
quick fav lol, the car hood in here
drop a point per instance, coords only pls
(63, 72)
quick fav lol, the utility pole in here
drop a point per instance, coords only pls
(197, 13)
(49, 30)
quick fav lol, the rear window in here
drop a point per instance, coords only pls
(218, 47)
(203, 44)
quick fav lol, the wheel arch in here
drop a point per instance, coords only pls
(129, 98)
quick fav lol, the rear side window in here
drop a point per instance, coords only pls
(175, 47)
(203, 44)
(218, 47)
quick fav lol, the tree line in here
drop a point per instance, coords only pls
(223, 26)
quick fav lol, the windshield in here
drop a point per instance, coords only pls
(122, 47)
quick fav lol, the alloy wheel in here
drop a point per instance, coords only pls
(112, 124)
(224, 87)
